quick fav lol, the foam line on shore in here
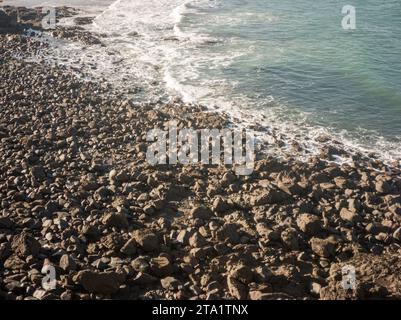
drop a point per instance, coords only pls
(148, 58)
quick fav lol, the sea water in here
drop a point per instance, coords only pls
(286, 64)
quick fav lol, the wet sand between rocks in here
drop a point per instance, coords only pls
(78, 194)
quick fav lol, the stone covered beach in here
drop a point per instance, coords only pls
(78, 194)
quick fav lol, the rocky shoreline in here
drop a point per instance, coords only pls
(78, 194)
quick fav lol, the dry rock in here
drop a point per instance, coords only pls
(24, 245)
(129, 248)
(102, 283)
(322, 247)
(170, 283)
(147, 240)
(67, 263)
(309, 224)
(201, 213)
(350, 216)
(116, 220)
(161, 266)
(237, 289)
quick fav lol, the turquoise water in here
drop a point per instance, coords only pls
(295, 58)
(288, 62)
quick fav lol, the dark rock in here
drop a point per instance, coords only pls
(201, 213)
(24, 245)
(161, 266)
(117, 220)
(322, 247)
(170, 283)
(242, 273)
(129, 248)
(383, 187)
(237, 289)
(350, 216)
(102, 283)
(309, 224)
(220, 205)
(67, 263)
(147, 240)
(6, 223)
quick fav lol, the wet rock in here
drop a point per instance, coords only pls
(83, 20)
(7, 21)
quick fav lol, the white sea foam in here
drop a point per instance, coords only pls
(151, 44)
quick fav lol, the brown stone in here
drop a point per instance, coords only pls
(201, 213)
(116, 220)
(310, 224)
(322, 247)
(236, 288)
(242, 273)
(350, 216)
(67, 263)
(25, 245)
(161, 266)
(102, 283)
(147, 240)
